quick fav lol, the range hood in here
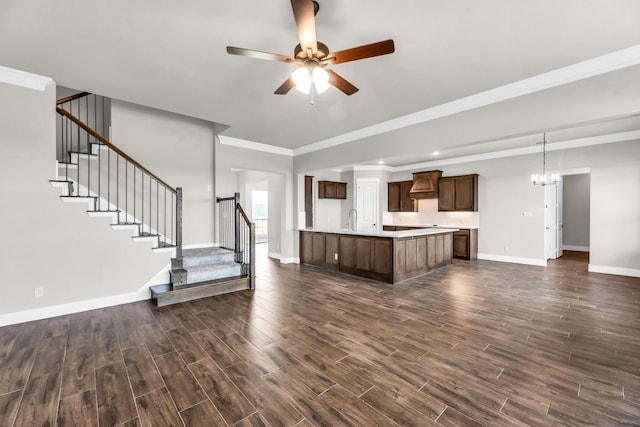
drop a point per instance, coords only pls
(425, 185)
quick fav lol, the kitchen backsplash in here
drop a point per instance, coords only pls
(428, 215)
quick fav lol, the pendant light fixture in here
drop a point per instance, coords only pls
(537, 179)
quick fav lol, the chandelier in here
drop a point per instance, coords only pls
(542, 179)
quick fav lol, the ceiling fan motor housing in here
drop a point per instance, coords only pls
(322, 52)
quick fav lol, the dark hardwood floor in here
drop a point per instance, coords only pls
(477, 343)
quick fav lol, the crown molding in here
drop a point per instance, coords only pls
(582, 70)
(257, 146)
(24, 79)
(556, 146)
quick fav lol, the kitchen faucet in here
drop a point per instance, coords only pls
(355, 222)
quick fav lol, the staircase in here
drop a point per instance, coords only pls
(203, 272)
(91, 170)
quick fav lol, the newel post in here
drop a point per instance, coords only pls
(237, 224)
(178, 222)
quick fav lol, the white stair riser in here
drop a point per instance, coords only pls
(211, 259)
(213, 274)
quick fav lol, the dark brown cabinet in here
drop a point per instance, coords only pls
(387, 259)
(398, 198)
(465, 244)
(332, 190)
(319, 249)
(458, 193)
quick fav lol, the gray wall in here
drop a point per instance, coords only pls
(234, 166)
(45, 242)
(179, 150)
(576, 210)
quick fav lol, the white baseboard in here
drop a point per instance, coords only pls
(575, 248)
(514, 260)
(618, 271)
(75, 307)
(274, 255)
(289, 260)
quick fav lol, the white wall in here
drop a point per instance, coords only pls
(328, 212)
(576, 211)
(179, 150)
(79, 261)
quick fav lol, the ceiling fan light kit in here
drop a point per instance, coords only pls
(313, 56)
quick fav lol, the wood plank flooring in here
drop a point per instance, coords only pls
(475, 344)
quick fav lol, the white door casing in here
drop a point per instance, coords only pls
(550, 222)
(367, 204)
(559, 220)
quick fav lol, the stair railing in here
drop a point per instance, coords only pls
(95, 168)
(237, 232)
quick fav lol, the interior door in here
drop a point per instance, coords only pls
(367, 205)
(559, 218)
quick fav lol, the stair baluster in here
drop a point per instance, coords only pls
(91, 168)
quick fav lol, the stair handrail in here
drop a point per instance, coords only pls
(161, 211)
(72, 97)
(106, 142)
(244, 238)
(252, 246)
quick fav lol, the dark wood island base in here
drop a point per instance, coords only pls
(388, 256)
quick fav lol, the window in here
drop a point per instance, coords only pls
(260, 211)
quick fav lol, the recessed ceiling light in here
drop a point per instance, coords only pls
(381, 162)
(436, 153)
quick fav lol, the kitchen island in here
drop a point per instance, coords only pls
(387, 256)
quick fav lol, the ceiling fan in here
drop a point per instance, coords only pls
(312, 56)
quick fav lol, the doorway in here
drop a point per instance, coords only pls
(567, 216)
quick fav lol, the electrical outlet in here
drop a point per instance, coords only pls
(38, 292)
(335, 256)
(506, 248)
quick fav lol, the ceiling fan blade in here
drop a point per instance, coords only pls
(285, 87)
(259, 55)
(306, 25)
(338, 81)
(361, 52)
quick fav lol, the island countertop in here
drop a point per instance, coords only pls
(392, 234)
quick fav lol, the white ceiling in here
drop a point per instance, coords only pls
(171, 55)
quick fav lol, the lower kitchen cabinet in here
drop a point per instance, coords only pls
(465, 243)
(386, 259)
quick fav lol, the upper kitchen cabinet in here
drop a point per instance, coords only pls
(398, 197)
(332, 190)
(458, 193)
